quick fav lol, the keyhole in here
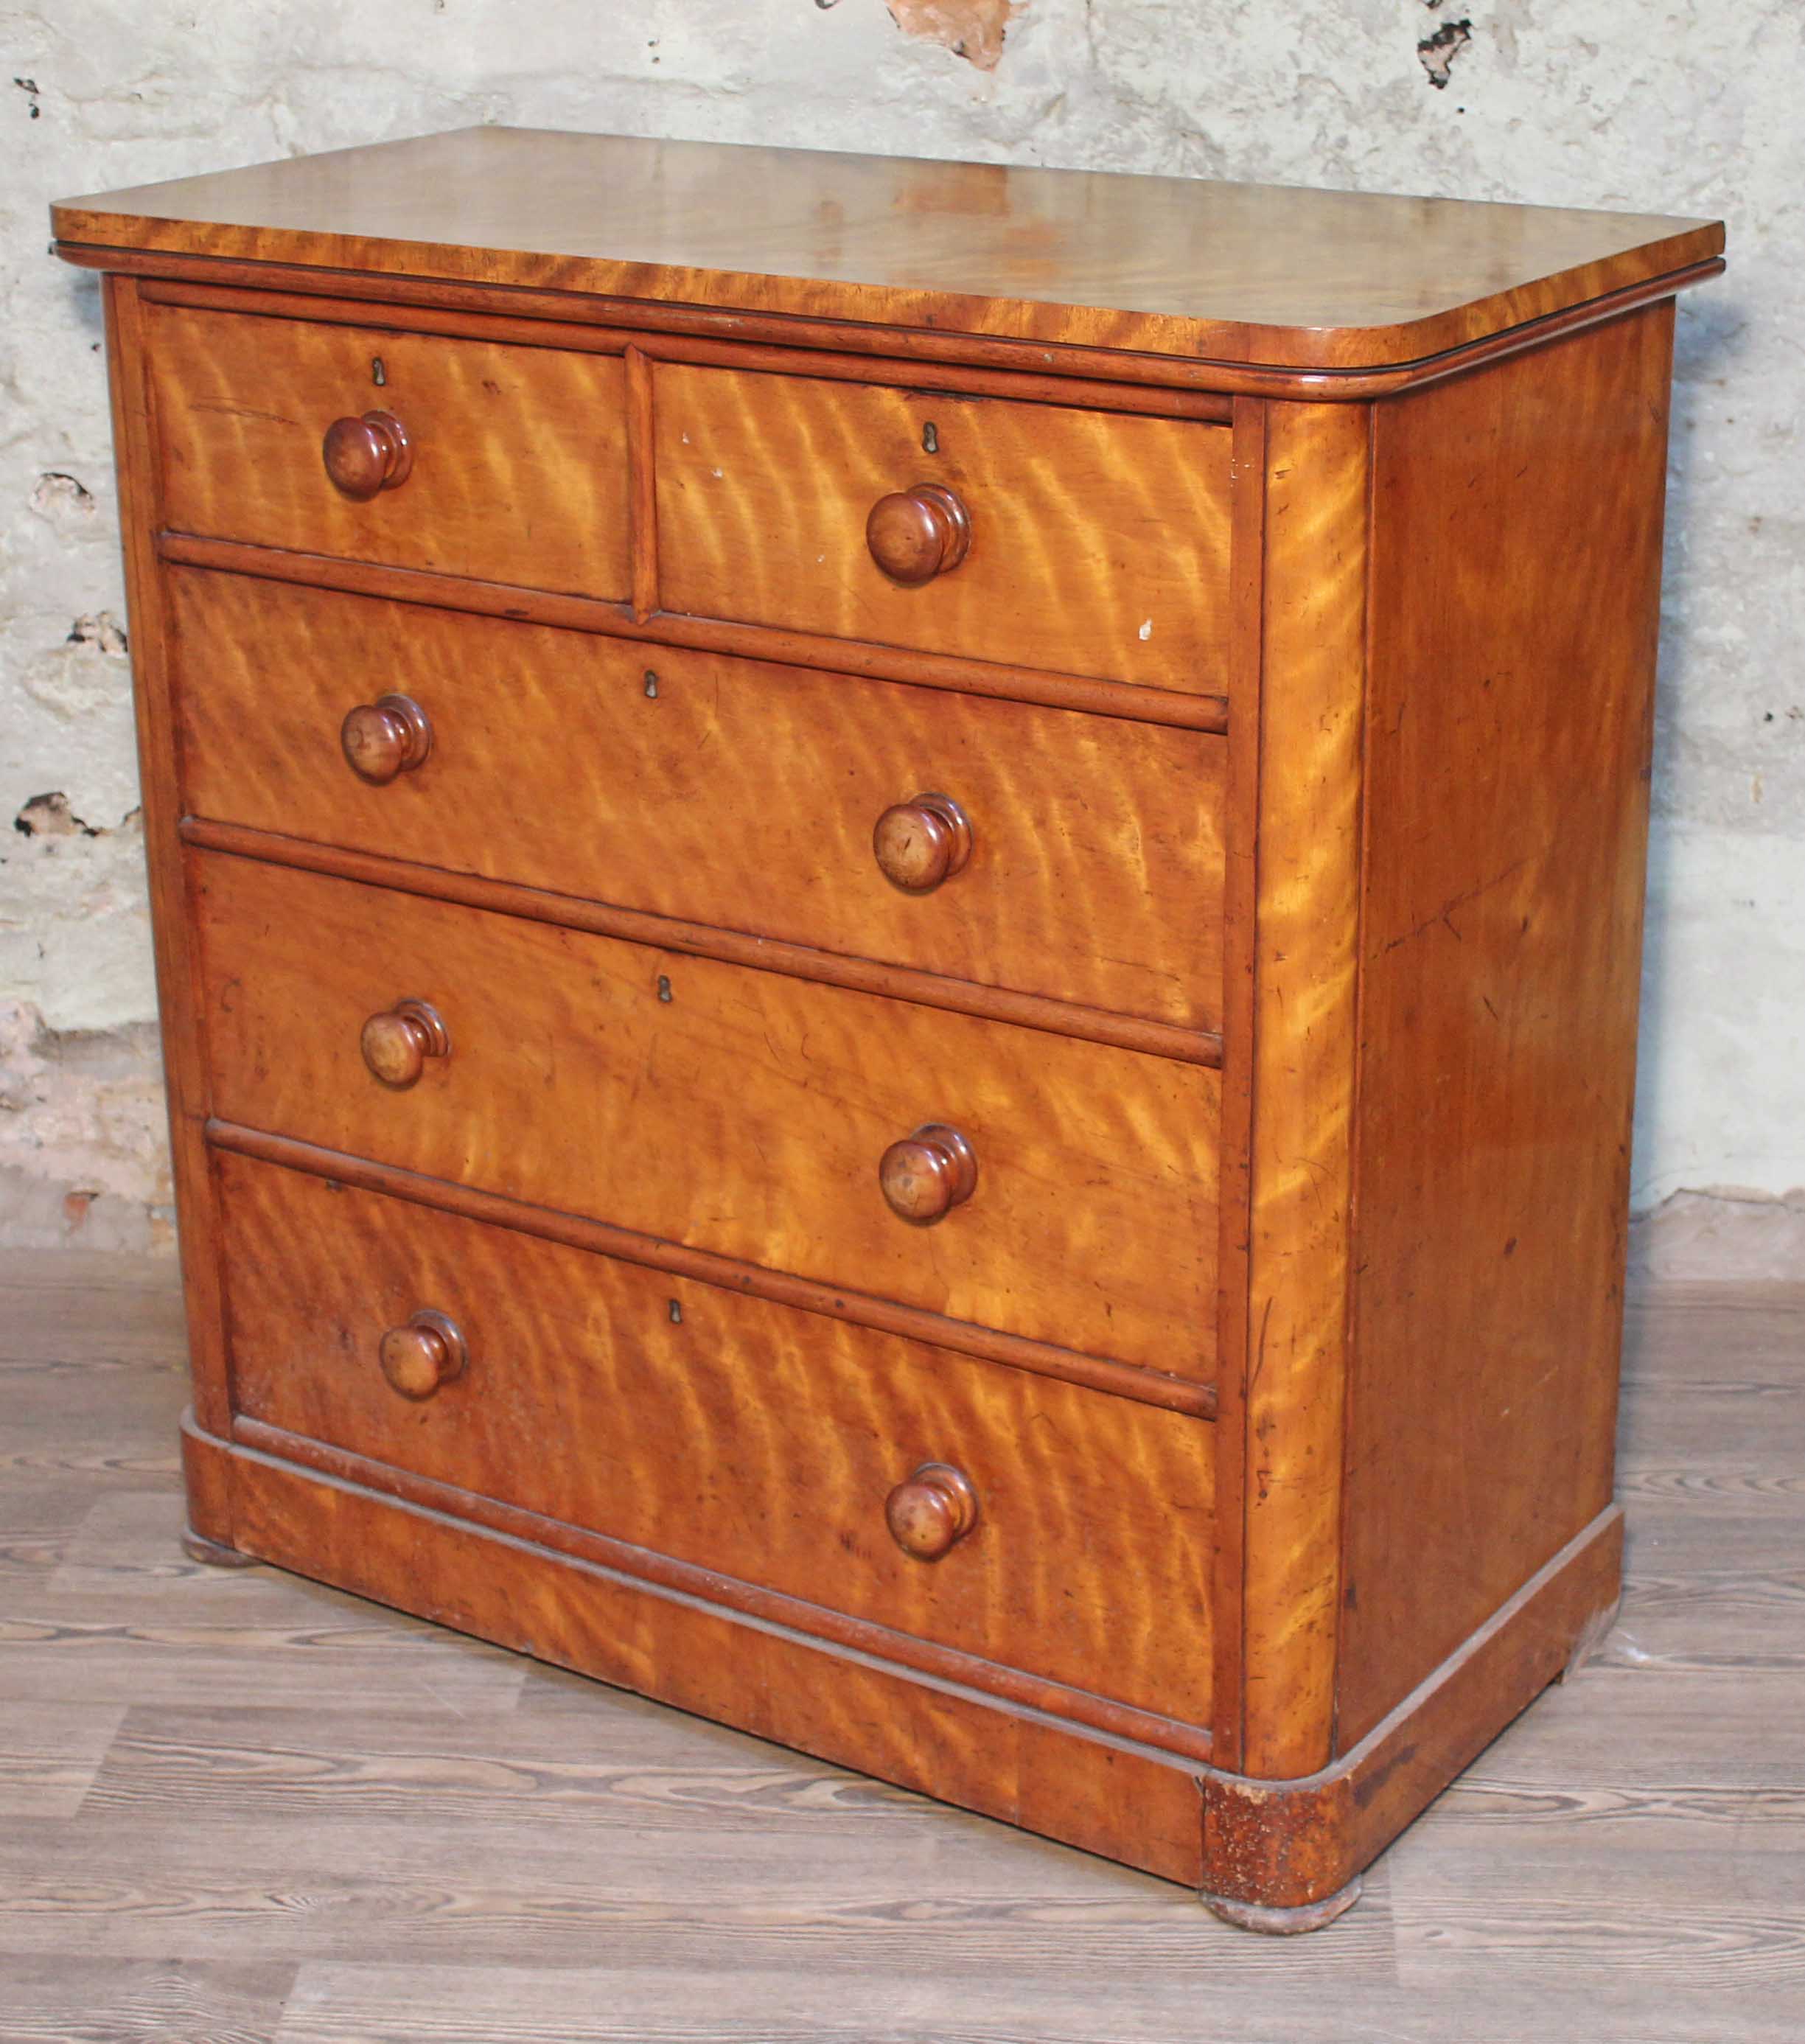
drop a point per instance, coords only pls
(930, 439)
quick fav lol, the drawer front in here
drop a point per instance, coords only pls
(741, 1112)
(518, 454)
(735, 1435)
(1098, 541)
(738, 794)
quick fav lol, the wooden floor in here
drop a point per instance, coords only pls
(236, 1806)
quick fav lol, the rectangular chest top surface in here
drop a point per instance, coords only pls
(1293, 278)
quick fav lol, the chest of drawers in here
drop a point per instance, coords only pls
(898, 912)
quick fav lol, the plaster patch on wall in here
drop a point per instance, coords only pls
(974, 29)
(63, 501)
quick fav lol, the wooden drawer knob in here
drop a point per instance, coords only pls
(389, 736)
(426, 1353)
(397, 1043)
(917, 534)
(928, 1173)
(919, 844)
(367, 455)
(930, 1513)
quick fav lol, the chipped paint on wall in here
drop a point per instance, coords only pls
(1438, 49)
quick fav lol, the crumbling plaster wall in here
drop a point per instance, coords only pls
(1670, 106)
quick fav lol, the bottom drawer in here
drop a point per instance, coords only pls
(733, 1434)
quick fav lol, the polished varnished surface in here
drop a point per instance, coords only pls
(1314, 482)
(736, 1434)
(519, 463)
(1098, 544)
(237, 1805)
(737, 793)
(744, 1113)
(398, 984)
(1236, 273)
(1509, 968)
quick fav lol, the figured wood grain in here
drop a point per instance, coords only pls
(486, 316)
(1098, 543)
(717, 791)
(744, 1113)
(838, 1302)
(1240, 907)
(1213, 383)
(519, 472)
(1029, 1011)
(1025, 1767)
(1303, 1110)
(735, 1435)
(950, 672)
(1244, 273)
(1509, 734)
(702, 1100)
(1058, 1702)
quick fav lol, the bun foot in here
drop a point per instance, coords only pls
(1285, 1923)
(197, 1548)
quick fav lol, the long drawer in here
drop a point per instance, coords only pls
(1092, 542)
(735, 1435)
(515, 468)
(720, 791)
(741, 1111)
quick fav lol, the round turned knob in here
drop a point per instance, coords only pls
(426, 1353)
(931, 1512)
(928, 1173)
(389, 736)
(397, 1043)
(365, 456)
(917, 534)
(919, 844)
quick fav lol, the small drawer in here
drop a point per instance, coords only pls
(732, 1434)
(509, 465)
(727, 791)
(1093, 544)
(741, 1111)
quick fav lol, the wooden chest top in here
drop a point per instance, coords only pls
(1288, 278)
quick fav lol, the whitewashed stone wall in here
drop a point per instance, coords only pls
(1629, 103)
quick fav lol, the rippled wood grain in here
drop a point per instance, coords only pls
(520, 462)
(741, 794)
(578, 1081)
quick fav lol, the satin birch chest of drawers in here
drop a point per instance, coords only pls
(898, 911)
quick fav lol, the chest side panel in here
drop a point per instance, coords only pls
(1515, 584)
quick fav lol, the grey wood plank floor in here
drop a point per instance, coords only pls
(238, 1809)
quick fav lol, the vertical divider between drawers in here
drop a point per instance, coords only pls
(642, 483)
